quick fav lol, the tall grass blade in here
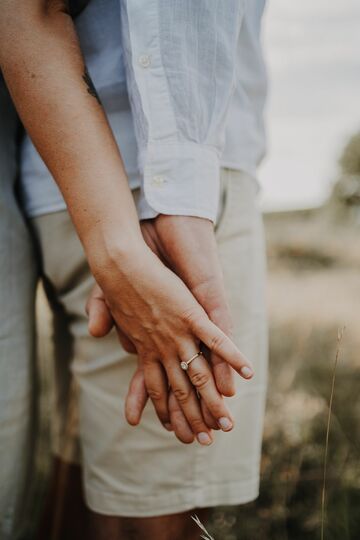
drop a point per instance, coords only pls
(323, 494)
(205, 536)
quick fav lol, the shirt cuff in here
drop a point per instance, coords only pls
(179, 179)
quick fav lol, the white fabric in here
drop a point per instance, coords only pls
(146, 471)
(196, 84)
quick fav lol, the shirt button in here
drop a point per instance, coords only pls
(158, 180)
(144, 60)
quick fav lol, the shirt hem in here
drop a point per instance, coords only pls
(59, 207)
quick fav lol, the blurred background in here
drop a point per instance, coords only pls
(311, 200)
(312, 52)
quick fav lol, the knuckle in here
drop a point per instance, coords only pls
(166, 352)
(197, 424)
(229, 391)
(182, 395)
(147, 358)
(192, 317)
(217, 342)
(200, 379)
(228, 328)
(217, 410)
(155, 394)
(186, 438)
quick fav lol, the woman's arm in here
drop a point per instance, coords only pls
(45, 73)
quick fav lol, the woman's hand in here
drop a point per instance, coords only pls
(166, 324)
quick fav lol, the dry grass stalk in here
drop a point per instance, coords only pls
(206, 535)
(323, 494)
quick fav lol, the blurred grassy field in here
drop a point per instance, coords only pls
(313, 290)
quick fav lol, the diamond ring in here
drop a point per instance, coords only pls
(185, 364)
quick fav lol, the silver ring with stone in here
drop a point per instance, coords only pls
(185, 364)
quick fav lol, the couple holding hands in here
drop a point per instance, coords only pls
(137, 177)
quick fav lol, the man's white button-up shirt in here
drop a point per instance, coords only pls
(194, 76)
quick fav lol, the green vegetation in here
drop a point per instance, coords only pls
(346, 194)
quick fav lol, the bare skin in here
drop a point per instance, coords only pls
(65, 514)
(171, 527)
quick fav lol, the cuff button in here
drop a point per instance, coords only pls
(144, 60)
(158, 180)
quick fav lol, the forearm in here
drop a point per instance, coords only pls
(44, 70)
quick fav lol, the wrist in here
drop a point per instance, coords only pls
(109, 252)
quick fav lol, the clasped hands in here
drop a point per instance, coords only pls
(166, 298)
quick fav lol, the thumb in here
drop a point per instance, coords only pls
(100, 319)
(125, 341)
(136, 398)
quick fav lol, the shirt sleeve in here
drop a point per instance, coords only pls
(180, 60)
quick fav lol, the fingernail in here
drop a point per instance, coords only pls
(203, 438)
(247, 372)
(168, 427)
(225, 423)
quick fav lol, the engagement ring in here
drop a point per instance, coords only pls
(185, 365)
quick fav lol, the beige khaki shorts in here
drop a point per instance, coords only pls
(146, 471)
